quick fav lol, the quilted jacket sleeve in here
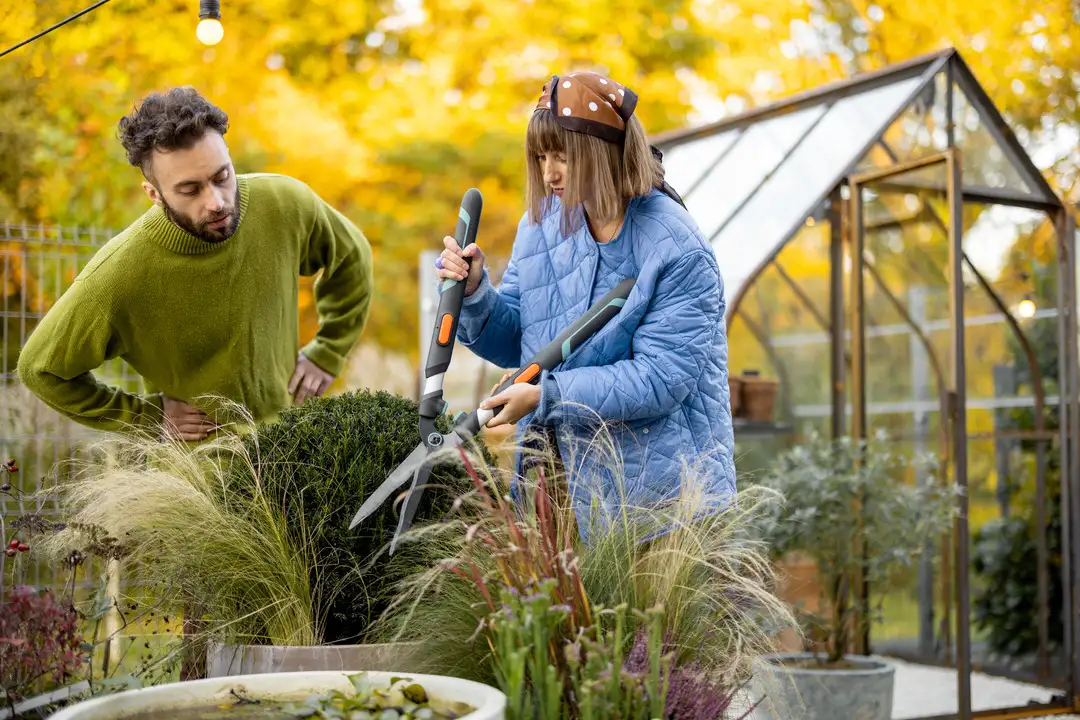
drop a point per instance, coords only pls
(670, 348)
(490, 323)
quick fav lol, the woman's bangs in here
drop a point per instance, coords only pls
(544, 135)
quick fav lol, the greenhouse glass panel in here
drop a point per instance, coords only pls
(756, 154)
(687, 164)
(920, 130)
(985, 163)
(811, 169)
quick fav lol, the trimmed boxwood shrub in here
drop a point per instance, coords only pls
(323, 459)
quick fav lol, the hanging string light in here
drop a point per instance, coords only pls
(1026, 308)
(46, 31)
(209, 30)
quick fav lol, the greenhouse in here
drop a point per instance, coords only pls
(895, 265)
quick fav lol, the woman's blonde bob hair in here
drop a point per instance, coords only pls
(601, 172)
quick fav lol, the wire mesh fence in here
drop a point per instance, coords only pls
(39, 262)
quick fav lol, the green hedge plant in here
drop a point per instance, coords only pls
(1004, 557)
(320, 461)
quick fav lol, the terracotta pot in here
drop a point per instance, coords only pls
(798, 586)
(759, 397)
(735, 388)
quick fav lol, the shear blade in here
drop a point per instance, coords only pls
(409, 507)
(396, 479)
(401, 474)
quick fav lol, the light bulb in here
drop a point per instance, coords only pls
(1026, 308)
(209, 31)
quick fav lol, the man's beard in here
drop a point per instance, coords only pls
(201, 229)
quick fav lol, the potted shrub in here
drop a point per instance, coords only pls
(251, 530)
(659, 614)
(842, 498)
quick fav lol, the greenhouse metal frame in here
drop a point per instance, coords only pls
(755, 181)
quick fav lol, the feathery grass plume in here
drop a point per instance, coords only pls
(692, 562)
(235, 523)
(195, 538)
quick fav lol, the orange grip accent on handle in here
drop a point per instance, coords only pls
(445, 325)
(527, 374)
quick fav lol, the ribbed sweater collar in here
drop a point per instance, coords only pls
(158, 227)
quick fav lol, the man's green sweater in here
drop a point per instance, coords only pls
(196, 318)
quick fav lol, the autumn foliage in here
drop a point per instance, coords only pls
(392, 110)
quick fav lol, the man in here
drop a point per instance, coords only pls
(199, 295)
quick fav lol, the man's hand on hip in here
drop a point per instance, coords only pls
(184, 421)
(308, 380)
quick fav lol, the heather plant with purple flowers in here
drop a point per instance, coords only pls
(692, 692)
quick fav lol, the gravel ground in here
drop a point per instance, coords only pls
(925, 691)
(921, 690)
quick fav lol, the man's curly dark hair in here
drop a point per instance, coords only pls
(173, 120)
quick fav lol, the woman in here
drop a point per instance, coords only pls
(656, 375)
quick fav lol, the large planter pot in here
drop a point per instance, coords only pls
(166, 701)
(231, 660)
(863, 692)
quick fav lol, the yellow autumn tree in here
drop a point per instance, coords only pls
(392, 110)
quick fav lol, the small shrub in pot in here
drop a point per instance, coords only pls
(848, 509)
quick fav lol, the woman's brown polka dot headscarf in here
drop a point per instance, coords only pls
(590, 103)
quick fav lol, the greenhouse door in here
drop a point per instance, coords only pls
(876, 199)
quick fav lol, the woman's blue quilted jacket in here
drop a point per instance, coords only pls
(656, 374)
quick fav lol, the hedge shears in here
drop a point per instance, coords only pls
(418, 464)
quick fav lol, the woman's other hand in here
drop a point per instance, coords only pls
(451, 264)
(517, 400)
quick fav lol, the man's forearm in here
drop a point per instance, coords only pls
(92, 403)
(343, 293)
(57, 362)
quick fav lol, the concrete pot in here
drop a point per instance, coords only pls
(490, 703)
(864, 692)
(231, 660)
